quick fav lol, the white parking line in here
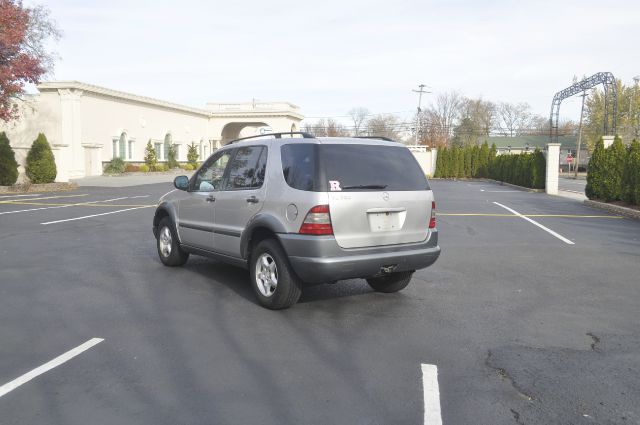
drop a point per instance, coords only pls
(95, 215)
(19, 196)
(432, 414)
(546, 229)
(500, 191)
(72, 205)
(10, 386)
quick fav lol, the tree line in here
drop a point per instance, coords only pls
(627, 117)
(450, 120)
(525, 169)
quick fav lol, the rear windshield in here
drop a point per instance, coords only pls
(351, 168)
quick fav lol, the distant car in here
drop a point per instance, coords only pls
(304, 210)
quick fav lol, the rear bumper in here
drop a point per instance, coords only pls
(319, 259)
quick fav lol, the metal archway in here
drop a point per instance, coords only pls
(610, 101)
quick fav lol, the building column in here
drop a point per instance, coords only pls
(434, 158)
(553, 164)
(61, 154)
(71, 132)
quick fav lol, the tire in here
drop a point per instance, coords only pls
(169, 249)
(273, 280)
(393, 282)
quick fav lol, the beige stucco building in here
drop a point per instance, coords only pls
(88, 125)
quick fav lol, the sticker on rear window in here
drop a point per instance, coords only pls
(334, 185)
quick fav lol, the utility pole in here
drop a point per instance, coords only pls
(420, 92)
(634, 115)
(577, 165)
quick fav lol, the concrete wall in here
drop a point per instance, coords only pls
(426, 158)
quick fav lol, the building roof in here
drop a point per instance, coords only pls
(249, 109)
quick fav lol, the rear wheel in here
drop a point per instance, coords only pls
(169, 249)
(393, 282)
(274, 281)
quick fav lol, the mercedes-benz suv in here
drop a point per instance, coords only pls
(301, 210)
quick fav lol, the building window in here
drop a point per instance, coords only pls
(158, 148)
(122, 145)
(167, 142)
(177, 149)
(114, 148)
(130, 153)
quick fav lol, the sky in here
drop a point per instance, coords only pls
(328, 57)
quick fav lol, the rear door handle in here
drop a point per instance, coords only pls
(252, 200)
(211, 198)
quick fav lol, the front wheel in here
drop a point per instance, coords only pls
(274, 281)
(169, 249)
(393, 282)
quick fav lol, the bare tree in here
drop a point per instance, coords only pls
(318, 129)
(481, 113)
(385, 125)
(513, 118)
(538, 125)
(438, 120)
(326, 128)
(358, 115)
(335, 129)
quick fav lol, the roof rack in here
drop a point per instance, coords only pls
(386, 139)
(276, 136)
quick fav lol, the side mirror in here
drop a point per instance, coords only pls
(181, 182)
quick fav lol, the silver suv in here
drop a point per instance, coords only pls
(302, 210)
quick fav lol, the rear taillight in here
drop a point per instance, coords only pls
(432, 221)
(317, 221)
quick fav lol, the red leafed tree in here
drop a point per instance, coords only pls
(23, 56)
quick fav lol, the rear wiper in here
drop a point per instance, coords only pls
(366, 186)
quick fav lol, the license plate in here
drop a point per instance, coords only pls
(384, 222)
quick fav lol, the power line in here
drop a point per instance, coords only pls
(366, 115)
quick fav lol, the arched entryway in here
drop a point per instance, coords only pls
(236, 130)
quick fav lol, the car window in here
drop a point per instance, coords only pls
(300, 166)
(210, 176)
(247, 168)
(371, 167)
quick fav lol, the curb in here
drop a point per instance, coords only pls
(42, 187)
(483, 179)
(627, 212)
(524, 189)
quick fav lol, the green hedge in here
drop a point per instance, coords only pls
(115, 166)
(527, 169)
(8, 164)
(41, 165)
(631, 175)
(614, 172)
(458, 162)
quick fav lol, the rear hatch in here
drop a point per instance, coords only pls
(378, 194)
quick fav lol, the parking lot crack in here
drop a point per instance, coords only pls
(595, 342)
(516, 416)
(502, 373)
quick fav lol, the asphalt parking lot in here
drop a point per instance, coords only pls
(529, 320)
